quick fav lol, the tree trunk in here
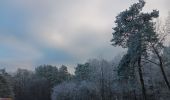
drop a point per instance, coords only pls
(161, 67)
(102, 83)
(164, 75)
(135, 98)
(141, 79)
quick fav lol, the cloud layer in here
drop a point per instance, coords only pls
(34, 32)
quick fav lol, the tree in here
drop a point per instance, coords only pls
(28, 86)
(134, 30)
(63, 74)
(20, 81)
(39, 89)
(5, 86)
(64, 91)
(159, 49)
(83, 90)
(102, 75)
(82, 72)
(49, 72)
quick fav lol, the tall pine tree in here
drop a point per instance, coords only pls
(135, 31)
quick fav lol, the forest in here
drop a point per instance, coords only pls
(142, 72)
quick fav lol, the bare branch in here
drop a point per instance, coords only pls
(151, 61)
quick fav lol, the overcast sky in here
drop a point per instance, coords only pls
(34, 32)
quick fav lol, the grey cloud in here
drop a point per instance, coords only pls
(80, 27)
(168, 4)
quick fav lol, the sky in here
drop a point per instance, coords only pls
(56, 32)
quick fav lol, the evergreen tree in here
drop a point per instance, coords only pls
(135, 31)
(82, 72)
(63, 74)
(49, 72)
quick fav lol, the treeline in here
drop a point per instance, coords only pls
(94, 80)
(34, 85)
